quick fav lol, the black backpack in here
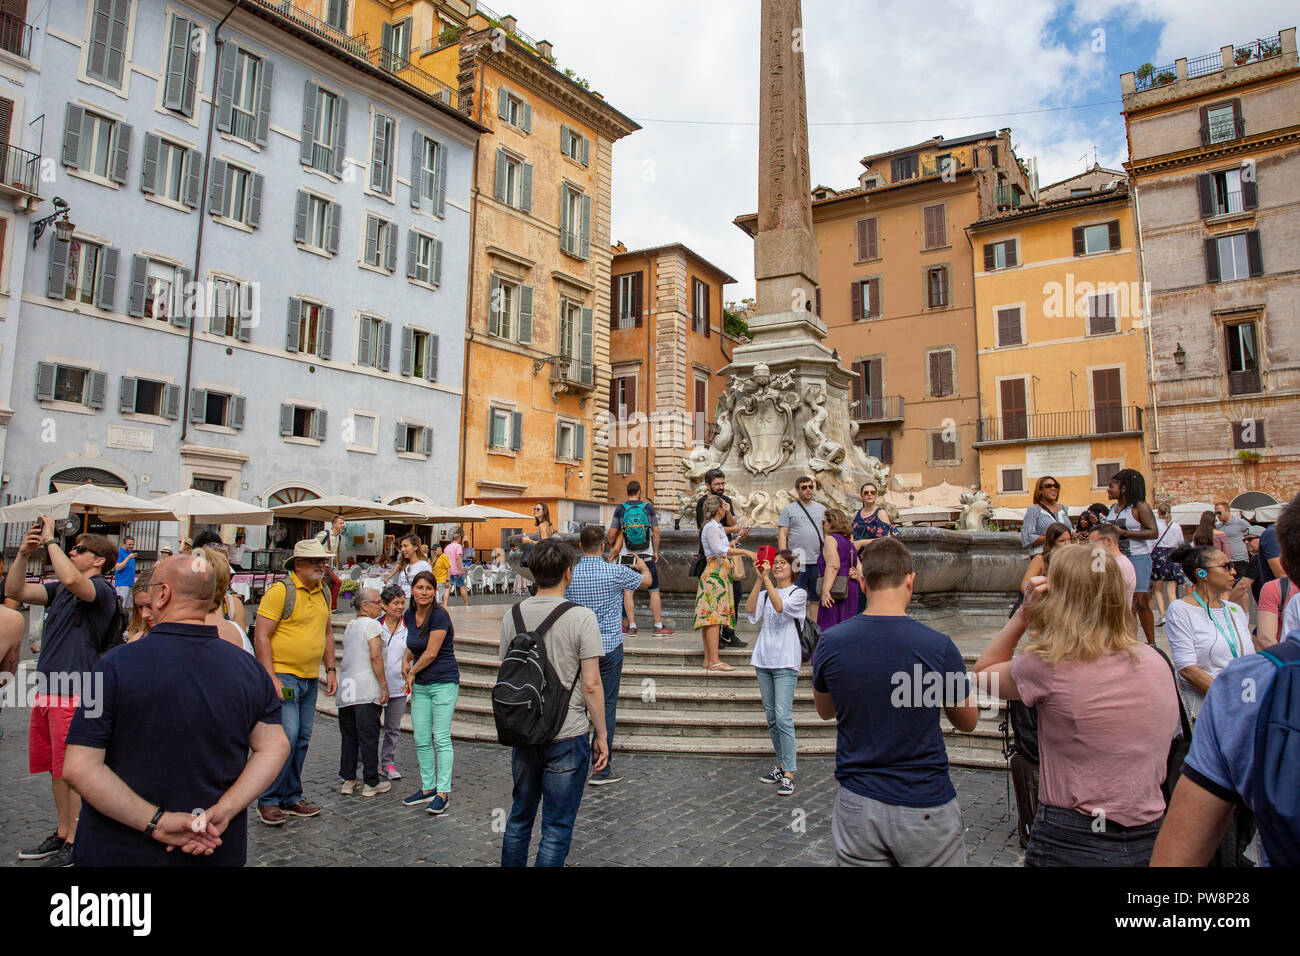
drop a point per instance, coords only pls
(529, 704)
(1273, 787)
(115, 633)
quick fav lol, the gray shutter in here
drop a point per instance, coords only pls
(246, 316)
(98, 388)
(198, 404)
(417, 167)
(318, 424)
(364, 355)
(121, 151)
(426, 440)
(178, 47)
(580, 442)
(564, 139)
(171, 402)
(107, 279)
(181, 316)
(390, 251)
(332, 214)
(408, 350)
(1211, 260)
(586, 340)
(138, 288)
(494, 312)
(1254, 253)
(301, 205)
(286, 419)
(385, 344)
(217, 188)
(528, 118)
(503, 103)
(309, 95)
(399, 437)
(440, 182)
(191, 79)
(372, 239)
(526, 188)
(149, 166)
(45, 381)
(377, 178)
(126, 401)
(586, 151)
(437, 262)
(216, 318)
(73, 118)
(340, 134)
(559, 431)
(326, 332)
(566, 233)
(255, 201)
(525, 315)
(236, 411)
(57, 280)
(1249, 194)
(499, 193)
(193, 179)
(226, 85)
(431, 358)
(1205, 190)
(265, 70)
(412, 254)
(584, 248)
(97, 58)
(516, 430)
(293, 327)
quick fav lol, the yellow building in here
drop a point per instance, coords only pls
(1060, 342)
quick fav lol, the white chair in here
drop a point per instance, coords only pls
(501, 580)
(474, 577)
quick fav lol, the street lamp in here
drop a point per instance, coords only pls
(1180, 357)
(63, 227)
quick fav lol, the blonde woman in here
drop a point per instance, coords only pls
(226, 628)
(414, 559)
(1107, 711)
(715, 605)
(142, 619)
(838, 557)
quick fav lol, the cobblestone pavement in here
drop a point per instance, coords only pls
(676, 811)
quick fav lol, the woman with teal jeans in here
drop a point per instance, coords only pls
(433, 682)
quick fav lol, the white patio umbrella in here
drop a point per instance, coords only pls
(486, 512)
(1189, 512)
(341, 506)
(207, 508)
(103, 502)
(424, 513)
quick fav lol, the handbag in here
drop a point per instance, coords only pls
(700, 562)
(809, 635)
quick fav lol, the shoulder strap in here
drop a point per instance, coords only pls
(290, 598)
(1182, 711)
(1168, 525)
(1283, 653)
(821, 542)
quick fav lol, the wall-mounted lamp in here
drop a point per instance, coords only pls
(1180, 357)
(63, 227)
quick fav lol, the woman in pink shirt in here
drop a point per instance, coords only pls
(1107, 711)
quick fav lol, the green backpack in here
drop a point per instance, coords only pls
(636, 525)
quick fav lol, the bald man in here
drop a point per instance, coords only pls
(165, 730)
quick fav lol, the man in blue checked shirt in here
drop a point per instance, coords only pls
(599, 585)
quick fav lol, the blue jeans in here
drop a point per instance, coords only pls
(553, 775)
(1063, 837)
(611, 676)
(776, 686)
(296, 717)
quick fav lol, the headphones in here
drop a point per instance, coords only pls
(1202, 573)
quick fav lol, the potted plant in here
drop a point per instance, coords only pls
(1249, 457)
(1242, 55)
(1143, 72)
(1268, 49)
(1165, 78)
(348, 588)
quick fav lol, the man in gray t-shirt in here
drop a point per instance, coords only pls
(556, 772)
(800, 529)
(1234, 528)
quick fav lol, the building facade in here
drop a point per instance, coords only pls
(264, 296)
(1061, 342)
(1214, 152)
(667, 345)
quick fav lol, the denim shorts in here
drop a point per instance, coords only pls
(1141, 568)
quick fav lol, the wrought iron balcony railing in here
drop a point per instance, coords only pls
(15, 36)
(19, 169)
(881, 408)
(1045, 426)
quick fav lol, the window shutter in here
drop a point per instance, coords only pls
(440, 182)
(318, 424)
(364, 344)
(586, 151)
(385, 344)
(559, 435)
(934, 227)
(255, 201)
(333, 211)
(873, 306)
(706, 317)
(526, 187)
(566, 234)
(45, 372)
(97, 54)
(946, 372)
(936, 374)
(528, 118)
(862, 240)
(580, 442)
(516, 430)
(137, 289)
(855, 301)
(1205, 189)
(615, 307)
(226, 85)
(503, 103)
(184, 296)
(525, 315)
(873, 238)
(636, 297)
(218, 298)
(990, 255)
(1254, 253)
(412, 254)
(564, 140)
(372, 239)
(265, 70)
(149, 166)
(1249, 194)
(236, 411)
(494, 305)
(437, 262)
(426, 440)
(98, 386)
(587, 339)
(584, 240)
(399, 437)
(858, 389)
(57, 280)
(107, 279)
(417, 168)
(408, 351)
(1080, 247)
(326, 332)
(1205, 126)
(192, 167)
(1211, 260)
(340, 134)
(126, 401)
(294, 325)
(301, 206)
(73, 119)
(431, 358)
(1011, 253)
(286, 419)
(1238, 127)
(499, 193)
(1112, 233)
(1008, 327)
(178, 47)
(378, 150)
(217, 188)
(171, 402)
(310, 94)
(198, 404)
(121, 151)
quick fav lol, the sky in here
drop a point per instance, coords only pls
(880, 74)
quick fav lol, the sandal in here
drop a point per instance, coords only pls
(720, 666)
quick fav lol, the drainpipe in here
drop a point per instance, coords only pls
(1146, 324)
(979, 386)
(203, 214)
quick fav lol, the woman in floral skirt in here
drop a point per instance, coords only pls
(715, 605)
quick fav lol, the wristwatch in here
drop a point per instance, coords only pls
(153, 824)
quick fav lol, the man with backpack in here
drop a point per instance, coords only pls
(83, 621)
(637, 526)
(331, 539)
(1244, 748)
(550, 650)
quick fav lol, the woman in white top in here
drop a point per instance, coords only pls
(1166, 576)
(1137, 531)
(394, 604)
(227, 629)
(715, 605)
(363, 690)
(1205, 632)
(411, 563)
(779, 606)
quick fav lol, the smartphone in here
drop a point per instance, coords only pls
(286, 693)
(628, 559)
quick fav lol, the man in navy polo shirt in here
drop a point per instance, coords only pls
(166, 762)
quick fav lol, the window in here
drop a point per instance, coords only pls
(424, 258)
(184, 40)
(570, 328)
(1242, 354)
(142, 396)
(83, 272)
(993, 154)
(701, 408)
(1015, 417)
(381, 243)
(575, 222)
(1102, 237)
(1013, 480)
(336, 14)
(623, 463)
(395, 40)
(942, 372)
(514, 110)
(85, 260)
(1101, 314)
(235, 193)
(324, 130)
(1009, 327)
(1104, 472)
(373, 335)
(208, 407)
(244, 95)
(316, 223)
(625, 300)
(700, 318)
(419, 354)
(433, 174)
(1080, 190)
(574, 145)
(505, 428)
(414, 439)
(1226, 192)
(67, 383)
(381, 155)
(310, 328)
(570, 440)
(936, 227)
(231, 308)
(879, 448)
(510, 310)
(514, 182)
(999, 255)
(864, 299)
(243, 116)
(1221, 123)
(1233, 257)
(70, 384)
(169, 171)
(160, 293)
(868, 390)
(867, 230)
(622, 396)
(936, 287)
(1107, 401)
(95, 144)
(1248, 434)
(106, 51)
(945, 164)
(942, 450)
(298, 421)
(904, 167)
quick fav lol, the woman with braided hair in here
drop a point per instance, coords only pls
(1137, 530)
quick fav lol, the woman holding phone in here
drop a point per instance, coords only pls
(413, 560)
(715, 605)
(433, 678)
(779, 606)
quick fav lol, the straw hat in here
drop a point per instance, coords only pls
(308, 548)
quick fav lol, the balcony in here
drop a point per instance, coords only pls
(15, 36)
(1114, 421)
(19, 170)
(356, 45)
(1244, 382)
(1008, 197)
(1222, 131)
(569, 375)
(879, 409)
(406, 71)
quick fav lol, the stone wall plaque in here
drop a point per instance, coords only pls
(134, 439)
(908, 480)
(1067, 458)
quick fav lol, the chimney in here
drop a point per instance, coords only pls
(545, 50)
(509, 24)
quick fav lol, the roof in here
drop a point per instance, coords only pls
(1096, 168)
(684, 248)
(1098, 198)
(932, 143)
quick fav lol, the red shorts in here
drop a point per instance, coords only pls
(47, 736)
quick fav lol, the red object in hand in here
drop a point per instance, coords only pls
(766, 554)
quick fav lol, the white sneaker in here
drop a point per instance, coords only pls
(349, 787)
(392, 773)
(383, 786)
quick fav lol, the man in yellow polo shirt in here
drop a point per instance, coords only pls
(292, 648)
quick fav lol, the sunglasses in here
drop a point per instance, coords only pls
(79, 549)
(1045, 487)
